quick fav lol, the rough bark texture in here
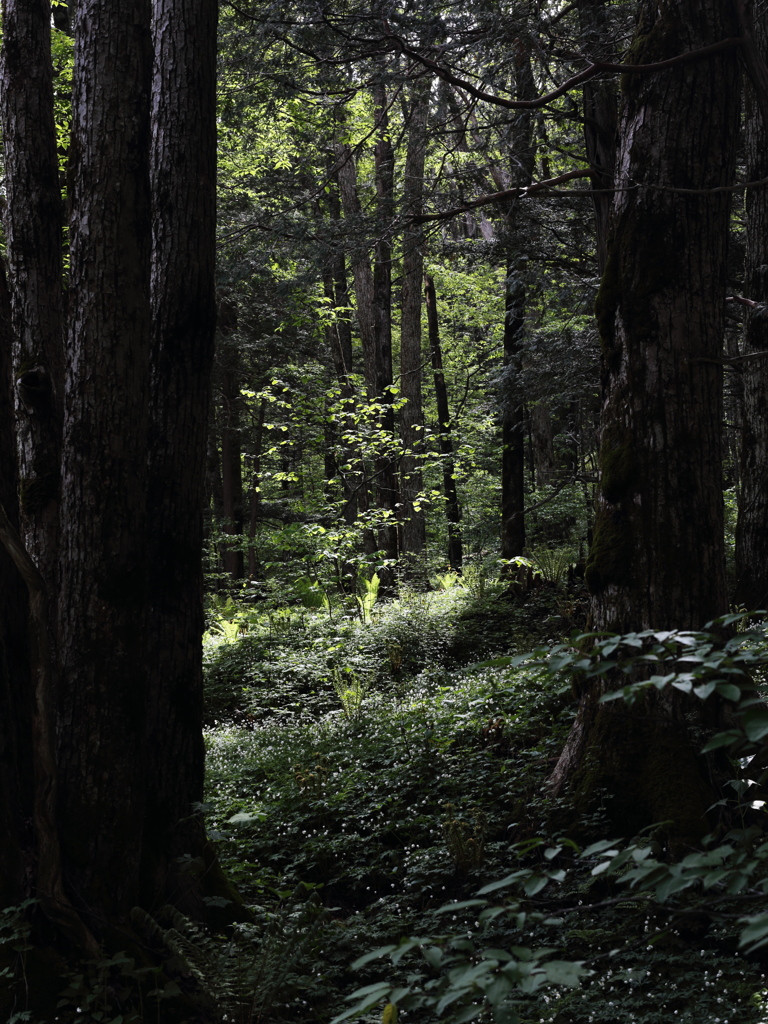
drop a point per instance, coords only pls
(413, 531)
(600, 119)
(513, 413)
(33, 227)
(752, 527)
(452, 507)
(657, 558)
(183, 180)
(103, 538)
(16, 762)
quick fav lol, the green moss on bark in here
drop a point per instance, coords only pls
(610, 556)
(641, 769)
(617, 465)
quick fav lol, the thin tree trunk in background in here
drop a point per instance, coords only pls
(231, 453)
(183, 181)
(600, 118)
(386, 470)
(412, 415)
(513, 413)
(752, 525)
(103, 677)
(33, 228)
(258, 444)
(657, 558)
(452, 507)
(360, 261)
(363, 283)
(542, 439)
(339, 341)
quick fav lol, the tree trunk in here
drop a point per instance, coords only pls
(231, 453)
(542, 443)
(600, 119)
(657, 558)
(371, 290)
(412, 415)
(33, 226)
(386, 470)
(361, 264)
(513, 413)
(104, 683)
(253, 521)
(752, 526)
(452, 507)
(183, 181)
(16, 756)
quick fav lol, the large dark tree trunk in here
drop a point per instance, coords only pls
(183, 180)
(16, 758)
(657, 559)
(104, 682)
(413, 529)
(33, 228)
(752, 526)
(112, 802)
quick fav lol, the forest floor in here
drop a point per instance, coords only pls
(365, 779)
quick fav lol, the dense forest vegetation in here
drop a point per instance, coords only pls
(383, 508)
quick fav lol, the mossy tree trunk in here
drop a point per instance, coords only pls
(657, 559)
(752, 525)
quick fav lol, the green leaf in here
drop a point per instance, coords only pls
(732, 692)
(756, 723)
(565, 972)
(755, 934)
(721, 739)
(375, 954)
(534, 884)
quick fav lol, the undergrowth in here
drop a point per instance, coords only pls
(394, 817)
(377, 791)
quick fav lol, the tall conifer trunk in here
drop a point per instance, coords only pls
(183, 179)
(752, 526)
(513, 413)
(102, 615)
(33, 229)
(452, 507)
(412, 416)
(657, 559)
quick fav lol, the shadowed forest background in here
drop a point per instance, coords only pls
(384, 512)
